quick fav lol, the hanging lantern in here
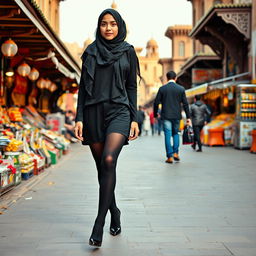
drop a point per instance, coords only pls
(41, 83)
(24, 69)
(9, 48)
(33, 75)
(53, 87)
(48, 83)
(9, 72)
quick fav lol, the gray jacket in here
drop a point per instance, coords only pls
(199, 112)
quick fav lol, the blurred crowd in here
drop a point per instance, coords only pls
(148, 124)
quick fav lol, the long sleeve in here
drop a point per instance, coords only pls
(185, 104)
(207, 111)
(157, 102)
(81, 99)
(131, 85)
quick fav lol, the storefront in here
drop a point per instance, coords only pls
(36, 69)
(232, 102)
(223, 77)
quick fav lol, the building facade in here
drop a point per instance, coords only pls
(50, 9)
(151, 72)
(181, 49)
(223, 39)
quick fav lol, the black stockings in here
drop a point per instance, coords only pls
(105, 156)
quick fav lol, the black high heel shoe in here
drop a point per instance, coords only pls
(96, 236)
(115, 225)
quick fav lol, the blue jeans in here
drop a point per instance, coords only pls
(171, 129)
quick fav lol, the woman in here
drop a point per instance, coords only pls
(106, 110)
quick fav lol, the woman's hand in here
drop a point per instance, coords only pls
(79, 130)
(134, 131)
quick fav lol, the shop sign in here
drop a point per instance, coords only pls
(204, 75)
(196, 90)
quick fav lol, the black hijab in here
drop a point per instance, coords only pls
(106, 52)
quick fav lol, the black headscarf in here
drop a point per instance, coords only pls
(106, 52)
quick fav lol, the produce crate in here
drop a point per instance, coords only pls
(27, 175)
(7, 181)
(17, 176)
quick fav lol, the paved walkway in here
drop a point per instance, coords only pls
(203, 206)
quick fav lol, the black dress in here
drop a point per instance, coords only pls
(110, 108)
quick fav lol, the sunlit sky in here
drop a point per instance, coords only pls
(146, 19)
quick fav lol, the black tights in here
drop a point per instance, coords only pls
(105, 156)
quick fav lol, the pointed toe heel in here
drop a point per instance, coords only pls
(94, 242)
(115, 231)
(115, 225)
(96, 236)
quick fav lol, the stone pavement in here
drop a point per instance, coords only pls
(203, 206)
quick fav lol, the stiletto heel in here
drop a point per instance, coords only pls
(96, 236)
(115, 225)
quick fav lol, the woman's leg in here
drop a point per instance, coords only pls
(113, 145)
(97, 151)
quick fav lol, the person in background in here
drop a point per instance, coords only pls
(140, 118)
(146, 123)
(171, 96)
(152, 122)
(199, 113)
(69, 125)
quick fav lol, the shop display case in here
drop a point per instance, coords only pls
(245, 115)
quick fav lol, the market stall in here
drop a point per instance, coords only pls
(35, 69)
(233, 106)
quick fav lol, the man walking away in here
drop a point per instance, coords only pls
(171, 95)
(199, 114)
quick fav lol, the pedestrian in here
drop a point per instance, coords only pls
(146, 123)
(141, 117)
(199, 114)
(171, 95)
(69, 125)
(152, 121)
(107, 110)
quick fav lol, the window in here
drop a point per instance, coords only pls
(181, 49)
(202, 8)
(217, 2)
(49, 11)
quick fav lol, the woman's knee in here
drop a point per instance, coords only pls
(109, 160)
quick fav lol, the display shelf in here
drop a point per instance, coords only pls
(248, 110)
(248, 101)
(245, 115)
(246, 120)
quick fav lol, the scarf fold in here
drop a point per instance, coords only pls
(106, 52)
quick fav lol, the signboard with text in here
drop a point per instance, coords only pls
(203, 75)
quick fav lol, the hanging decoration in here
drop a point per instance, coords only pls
(9, 48)
(41, 83)
(33, 75)
(24, 69)
(48, 83)
(53, 87)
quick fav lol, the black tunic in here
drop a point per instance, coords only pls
(104, 90)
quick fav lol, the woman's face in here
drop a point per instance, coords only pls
(108, 27)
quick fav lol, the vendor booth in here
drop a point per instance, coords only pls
(232, 103)
(35, 70)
